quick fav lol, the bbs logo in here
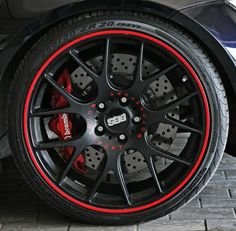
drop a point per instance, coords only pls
(116, 120)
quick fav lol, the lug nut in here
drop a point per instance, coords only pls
(101, 106)
(122, 138)
(137, 119)
(124, 101)
(99, 130)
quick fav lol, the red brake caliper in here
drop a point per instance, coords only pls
(61, 124)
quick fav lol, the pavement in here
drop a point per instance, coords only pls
(214, 209)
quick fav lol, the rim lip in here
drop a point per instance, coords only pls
(134, 34)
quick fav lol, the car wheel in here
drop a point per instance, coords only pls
(117, 117)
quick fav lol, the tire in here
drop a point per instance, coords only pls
(212, 101)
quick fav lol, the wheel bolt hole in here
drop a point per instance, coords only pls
(124, 101)
(122, 138)
(99, 130)
(137, 119)
(101, 107)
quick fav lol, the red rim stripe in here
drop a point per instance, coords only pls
(104, 210)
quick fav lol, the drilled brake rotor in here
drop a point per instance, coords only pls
(163, 93)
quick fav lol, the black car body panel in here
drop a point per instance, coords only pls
(22, 22)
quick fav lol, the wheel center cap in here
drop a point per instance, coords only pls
(117, 120)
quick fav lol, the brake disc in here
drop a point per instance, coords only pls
(163, 92)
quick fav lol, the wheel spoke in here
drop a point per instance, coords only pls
(106, 59)
(137, 85)
(49, 112)
(76, 154)
(121, 180)
(139, 68)
(152, 169)
(140, 83)
(149, 150)
(55, 144)
(83, 65)
(171, 106)
(167, 155)
(158, 74)
(160, 114)
(183, 125)
(99, 180)
(69, 97)
(79, 144)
